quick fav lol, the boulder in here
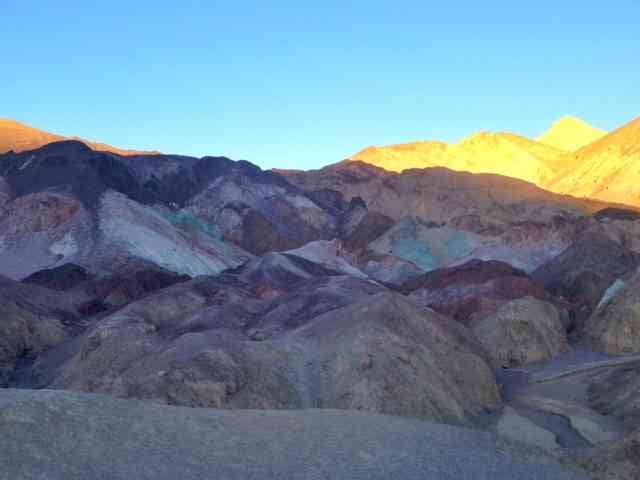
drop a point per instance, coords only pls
(614, 327)
(523, 331)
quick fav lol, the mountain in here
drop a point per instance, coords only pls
(483, 152)
(570, 133)
(17, 137)
(67, 203)
(208, 282)
(571, 158)
(607, 169)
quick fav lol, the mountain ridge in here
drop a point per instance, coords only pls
(501, 153)
(605, 169)
(601, 167)
(20, 137)
(571, 157)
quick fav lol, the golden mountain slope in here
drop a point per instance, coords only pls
(570, 133)
(19, 137)
(608, 169)
(501, 153)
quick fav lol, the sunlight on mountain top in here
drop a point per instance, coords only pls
(19, 137)
(482, 152)
(607, 169)
(572, 158)
(570, 133)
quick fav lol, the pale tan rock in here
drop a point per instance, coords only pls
(523, 331)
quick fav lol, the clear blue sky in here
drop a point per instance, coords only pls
(293, 86)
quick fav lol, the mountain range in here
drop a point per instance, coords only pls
(490, 285)
(570, 158)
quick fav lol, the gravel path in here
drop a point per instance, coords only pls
(70, 435)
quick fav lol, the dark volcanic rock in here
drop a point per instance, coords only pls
(87, 174)
(72, 166)
(472, 272)
(617, 214)
(63, 277)
(472, 290)
(584, 271)
(258, 235)
(131, 284)
(367, 230)
(258, 210)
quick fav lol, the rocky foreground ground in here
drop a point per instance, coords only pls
(61, 435)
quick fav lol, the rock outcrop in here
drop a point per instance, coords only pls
(328, 341)
(523, 331)
(473, 290)
(584, 271)
(32, 320)
(100, 293)
(443, 195)
(614, 327)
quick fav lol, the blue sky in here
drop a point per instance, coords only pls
(292, 86)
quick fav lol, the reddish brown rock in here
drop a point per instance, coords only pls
(473, 290)
(38, 212)
(103, 292)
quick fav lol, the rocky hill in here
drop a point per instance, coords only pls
(474, 300)
(606, 169)
(570, 158)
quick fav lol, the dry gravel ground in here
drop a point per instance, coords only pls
(68, 435)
